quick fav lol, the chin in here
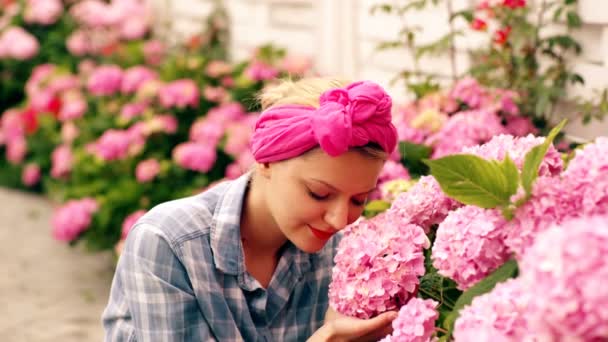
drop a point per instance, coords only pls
(309, 246)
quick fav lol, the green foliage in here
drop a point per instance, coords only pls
(412, 156)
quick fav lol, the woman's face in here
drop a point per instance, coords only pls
(314, 196)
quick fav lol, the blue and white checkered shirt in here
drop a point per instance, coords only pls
(182, 277)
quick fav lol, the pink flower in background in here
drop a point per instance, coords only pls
(78, 43)
(16, 150)
(133, 110)
(296, 65)
(86, 68)
(415, 322)
(424, 204)
(469, 245)
(45, 12)
(392, 170)
(148, 90)
(565, 273)
(464, 129)
(135, 28)
(147, 170)
(207, 131)
(520, 126)
(135, 76)
(129, 221)
(468, 91)
(239, 136)
(12, 125)
(499, 315)
(63, 82)
(260, 71)
(180, 94)
(162, 123)
(105, 80)
(227, 82)
(90, 12)
(69, 132)
(113, 144)
(242, 164)
(217, 68)
(378, 263)
(226, 113)
(154, 52)
(17, 43)
(408, 133)
(70, 220)
(40, 74)
(215, 94)
(74, 106)
(517, 147)
(61, 161)
(195, 156)
(30, 175)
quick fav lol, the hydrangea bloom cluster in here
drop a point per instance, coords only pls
(424, 204)
(377, 266)
(517, 147)
(565, 272)
(469, 245)
(73, 218)
(587, 177)
(495, 316)
(415, 322)
(549, 203)
(392, 170)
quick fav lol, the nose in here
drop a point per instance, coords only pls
(337, 215)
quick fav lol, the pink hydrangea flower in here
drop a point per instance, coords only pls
(226, 113)
(207, 131)
(217, 68)
(374, 275)
(134, 28)
(40, 74)
(260, 71)
(296, 65)
(30, 175)
(69, 132)
(105, 80)
(165, 123)
(147, 170)
(17, 43)
(70, 220)
(239, 136)
(468, 91)
(586, 178)
(73, 106)
(469, 245)
(465, 129)
(520, 126)
(11, 125)
(549, 203)
(180, 94)
(195, 156)
(517, 147)
(16, 150)
(392, 170)
(78, 43)
(44, 12)
(133, 110)
(129, 221)
(154, 51)
(215, 94)
(565, 273)
(242, 164)
(415, 322)
(135, 76)
(424, 204)
(499, 315)
(113, 144)
(61, 161)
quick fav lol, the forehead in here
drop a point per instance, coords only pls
(351, 171)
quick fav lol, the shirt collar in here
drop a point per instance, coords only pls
(225, 233)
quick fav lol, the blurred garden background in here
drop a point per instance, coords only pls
(108, 108)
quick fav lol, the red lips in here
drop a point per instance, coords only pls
(321, 234)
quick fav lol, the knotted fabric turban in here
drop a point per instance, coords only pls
(347, 117)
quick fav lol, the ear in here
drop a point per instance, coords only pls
(264, 169)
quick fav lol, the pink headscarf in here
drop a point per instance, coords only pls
(347, 117)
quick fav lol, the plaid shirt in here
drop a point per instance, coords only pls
(182, 277)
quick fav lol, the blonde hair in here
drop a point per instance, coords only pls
(306, 92)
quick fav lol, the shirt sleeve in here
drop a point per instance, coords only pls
(152, 297)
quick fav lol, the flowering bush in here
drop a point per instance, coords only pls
(510, 198)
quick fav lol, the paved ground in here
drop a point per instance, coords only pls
(48, 290)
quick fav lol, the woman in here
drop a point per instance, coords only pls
(251, 259)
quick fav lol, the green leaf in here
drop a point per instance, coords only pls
(375, 207)
(573, 19)
(466, 14)
(470, 179)
(534, 158)
(509, 169)
(504, 272)
(412, 156)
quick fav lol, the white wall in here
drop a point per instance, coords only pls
(341, 36)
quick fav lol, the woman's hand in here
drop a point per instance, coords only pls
(341, 328)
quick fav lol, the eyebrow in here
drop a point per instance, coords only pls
(335, 189)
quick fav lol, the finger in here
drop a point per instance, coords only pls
(373, 325)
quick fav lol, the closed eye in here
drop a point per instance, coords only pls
(317, 196)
